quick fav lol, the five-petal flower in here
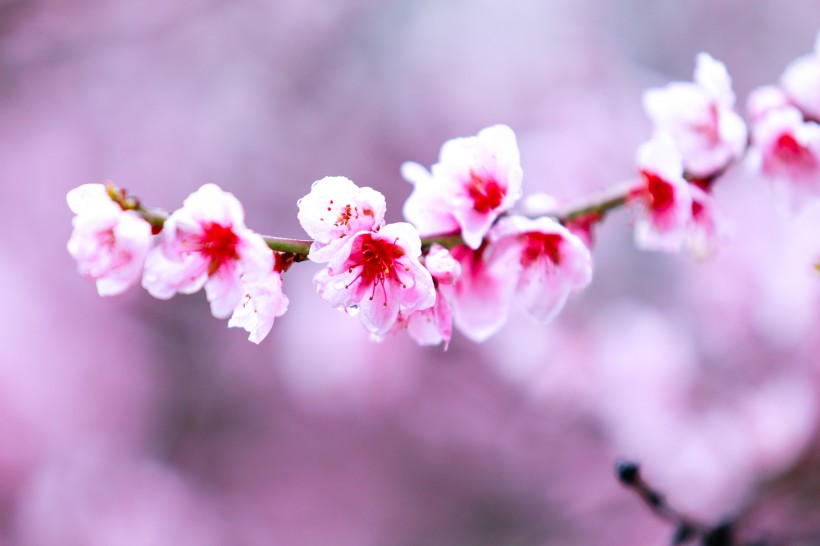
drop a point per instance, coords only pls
(476, 179)
(206, 243)
(379, 274)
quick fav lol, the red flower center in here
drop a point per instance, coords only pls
(697, 209)
(660, 195)
(485, 191)
(377, 260)
(791, 152)
(218, 244)
(541, 244)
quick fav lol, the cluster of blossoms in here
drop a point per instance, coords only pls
(698, 135)
(465, 254)
(386, 274)
(203, 244)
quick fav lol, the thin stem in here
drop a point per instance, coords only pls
(298, 247)
(595, 207)
(156, 218)
(598, 205)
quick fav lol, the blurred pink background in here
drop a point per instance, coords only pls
(131, 421)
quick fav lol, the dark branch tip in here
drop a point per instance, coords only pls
(628, 472)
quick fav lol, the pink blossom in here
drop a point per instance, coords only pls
(377, 274)
(206, 243)
(337, 208)
(552, 262)
(662, 197)
(434, 325)
(801, 82)
(476, 179)
(262, 301)
(699, 117)
(482, 295)
(789, 149)
(109, 244)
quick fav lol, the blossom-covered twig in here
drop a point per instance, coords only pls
(462, 212)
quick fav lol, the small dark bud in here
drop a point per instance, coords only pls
(628, 472)
(684, 533)
(721, 535)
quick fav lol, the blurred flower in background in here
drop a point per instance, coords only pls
(131, 421)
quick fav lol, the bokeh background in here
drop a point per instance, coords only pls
(129, 421)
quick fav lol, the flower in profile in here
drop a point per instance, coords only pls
(262, 302)
(707, 227)
(476, 179)
(662, 197)
(335, 209)
(110, 244)
(482, 295)
(206, 243)
(700, 118)
(378, 275)
(801, 82)
(434, 325)
(552, 262)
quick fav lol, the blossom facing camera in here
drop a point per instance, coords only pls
(206, 244)
(110, 244)
(475, 180)
(262, 302)
(552, 262)
(699, 116)
(336, 208)
(661, 198)
(378, 274)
